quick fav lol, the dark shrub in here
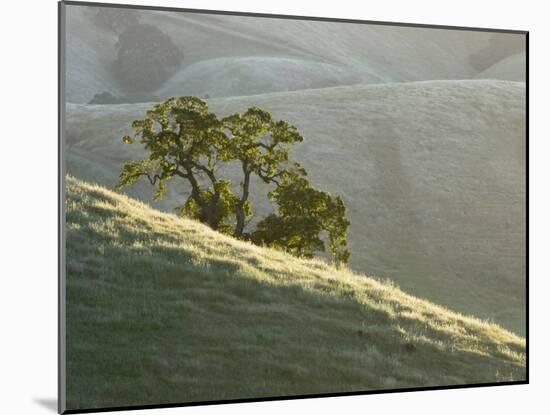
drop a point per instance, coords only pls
(104, 98)
(146, 58)
(108, 98)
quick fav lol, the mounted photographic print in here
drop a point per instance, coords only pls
(258, 207)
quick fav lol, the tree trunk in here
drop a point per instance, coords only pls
(239, 209)
(207, 211)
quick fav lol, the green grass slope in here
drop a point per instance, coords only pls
(162, 309)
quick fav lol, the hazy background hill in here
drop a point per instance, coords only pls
(232, 55)
(421, 131)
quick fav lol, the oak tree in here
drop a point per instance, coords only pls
(187, 142)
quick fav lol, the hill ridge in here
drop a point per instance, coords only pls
(486, 82)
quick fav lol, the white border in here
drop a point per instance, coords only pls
(28, 205)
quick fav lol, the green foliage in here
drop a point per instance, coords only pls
(303, 215)
(185, 140)
(221, 207)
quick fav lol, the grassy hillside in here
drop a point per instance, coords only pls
(432, 174)
(161, 309)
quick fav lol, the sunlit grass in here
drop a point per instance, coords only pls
(162, 309)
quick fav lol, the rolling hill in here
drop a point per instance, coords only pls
(512, 68)
(431, 172)
(163, 309)
(235, 55)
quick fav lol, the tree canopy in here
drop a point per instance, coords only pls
(184, 140)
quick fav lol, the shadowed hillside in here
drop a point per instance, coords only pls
(431, 172)
(162, 309)
(512, 68)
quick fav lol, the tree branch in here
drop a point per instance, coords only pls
(270, 178)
